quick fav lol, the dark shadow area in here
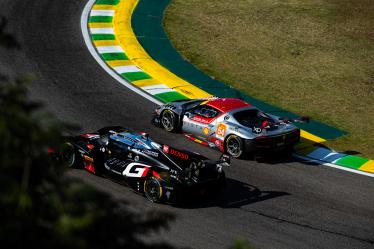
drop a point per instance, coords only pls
(351, 152)
(276, 158)
(7, 40)
(234, 194)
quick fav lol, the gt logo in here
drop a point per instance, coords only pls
(136, 170)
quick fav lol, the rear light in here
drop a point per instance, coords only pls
(50, 150)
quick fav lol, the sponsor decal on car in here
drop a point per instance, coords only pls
(179, 154)
(166, 148)
(206, 130)
(202, 119)
(221, 131)
(150, 153)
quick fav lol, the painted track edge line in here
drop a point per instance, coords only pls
(313, 160)
(95, 55)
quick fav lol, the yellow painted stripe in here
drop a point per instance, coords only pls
(146, 82)
(106, 43)
(368, 166)
(311, 137)
(100, 24)
(118, 63)
(104, 7)
(127, 39)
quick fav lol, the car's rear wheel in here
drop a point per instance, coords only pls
(152, 189)
(234, 146)
(68, 155)
(169, 120)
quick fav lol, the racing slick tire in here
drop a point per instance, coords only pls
(152, 189)
(169, 120)
(234, 146)
(68, 155)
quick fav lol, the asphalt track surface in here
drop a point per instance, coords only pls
(277, 204)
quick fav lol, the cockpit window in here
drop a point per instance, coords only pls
(251, 118)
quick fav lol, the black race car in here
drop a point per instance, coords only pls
(160, 172)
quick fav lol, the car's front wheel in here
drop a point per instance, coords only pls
(234, 146)
(152, 189)
(169, 120)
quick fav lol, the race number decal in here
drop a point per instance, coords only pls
(221, 131)
(136, 170)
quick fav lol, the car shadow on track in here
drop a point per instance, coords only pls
(234, 194)
(279, 159)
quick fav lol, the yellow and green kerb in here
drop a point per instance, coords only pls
(110, 29)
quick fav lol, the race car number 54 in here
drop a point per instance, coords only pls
(221, 130)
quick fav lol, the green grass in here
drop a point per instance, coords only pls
(311, 57)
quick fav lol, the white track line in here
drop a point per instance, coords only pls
(110, 49)
(95, 55)
(127, 84)
(102, 13)
(106, 31)
(127, 69)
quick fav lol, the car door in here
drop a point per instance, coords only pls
(200, 121)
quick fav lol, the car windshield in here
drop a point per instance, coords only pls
(192, 104)
(205, 111)
(252, 118)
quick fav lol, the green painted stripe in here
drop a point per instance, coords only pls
(133, 76)
(100, 19)
(170, 96)
(108, 2)
(114, 56)
(353, 162)
(98, 37)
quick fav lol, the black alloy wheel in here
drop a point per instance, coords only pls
(168, 120)
(68, 155)
(234, 146)
(152, 189)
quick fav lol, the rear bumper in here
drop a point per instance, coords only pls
(272, 144)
